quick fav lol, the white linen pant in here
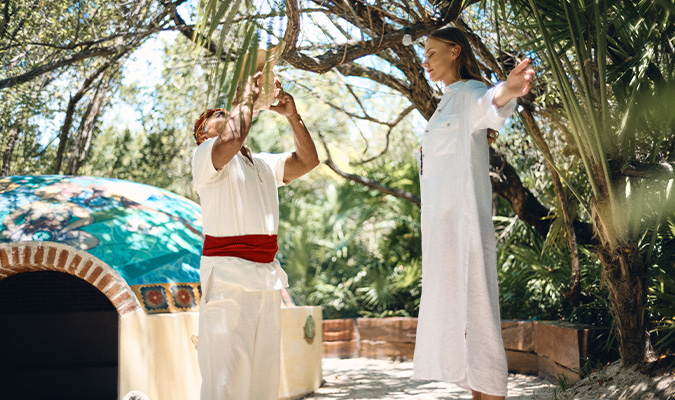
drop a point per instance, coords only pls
(239, 343)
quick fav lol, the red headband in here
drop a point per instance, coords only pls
(199, 125)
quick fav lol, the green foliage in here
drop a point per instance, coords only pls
(36, 32)
(349, 249)
(532, 278)
(607, 63)
(564, 382)
(534, 271)
(27, 110)
(662, 288)
(54, 57)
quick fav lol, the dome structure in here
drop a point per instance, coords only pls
(137, 246)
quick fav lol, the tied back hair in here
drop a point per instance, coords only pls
(466, 65)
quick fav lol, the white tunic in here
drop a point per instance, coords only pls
(239, 199)
(239, 314)
(458, 334)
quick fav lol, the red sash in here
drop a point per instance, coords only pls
(257, 248)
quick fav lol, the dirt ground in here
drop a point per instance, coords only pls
(362, 378)
(616, 383)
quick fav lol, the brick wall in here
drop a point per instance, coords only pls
(22, 257)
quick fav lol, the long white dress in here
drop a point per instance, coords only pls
(458, 333)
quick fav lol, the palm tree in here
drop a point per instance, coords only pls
(608, 60)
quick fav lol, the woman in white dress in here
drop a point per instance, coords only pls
(459, 330)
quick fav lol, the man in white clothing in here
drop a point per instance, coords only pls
(239, 319)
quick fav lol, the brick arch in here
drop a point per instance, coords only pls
(18, 257)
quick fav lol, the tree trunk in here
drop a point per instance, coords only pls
(626, 276)
(13, 134)
(85, 131)
(507, 184)
(65, 131)
(72, 104)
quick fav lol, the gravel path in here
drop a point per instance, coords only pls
(364, 378)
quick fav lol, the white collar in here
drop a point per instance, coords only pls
(452, 88)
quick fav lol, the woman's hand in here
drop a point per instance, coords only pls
(518, 83)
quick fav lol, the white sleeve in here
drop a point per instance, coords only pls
(485, 114)
(202, 165)
(277, 163)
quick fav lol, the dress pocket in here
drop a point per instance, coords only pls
(443, 134)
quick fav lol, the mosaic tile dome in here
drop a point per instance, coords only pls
(148, 235)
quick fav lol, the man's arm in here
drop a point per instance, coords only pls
(304, 158)
(233, 131)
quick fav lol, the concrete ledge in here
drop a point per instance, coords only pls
(341, 348)
(518, 335)
(562, 348)
(551, 370)
(522, 362)
(546, 348)
(396, 329)
(386, 350)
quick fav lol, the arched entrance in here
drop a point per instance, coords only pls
(59, 323)
(58, 338)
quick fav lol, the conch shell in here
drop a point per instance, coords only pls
(267, 86)
(265, 62)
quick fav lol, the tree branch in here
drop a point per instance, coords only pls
(420, 92)
(70, 110)
(67, 60)
(380, 77)
(402, 194)
(374, 185)
(113, 50)
(392, 125)
(660, 171)
(90, 43)
(506, 183)
(342, 54)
